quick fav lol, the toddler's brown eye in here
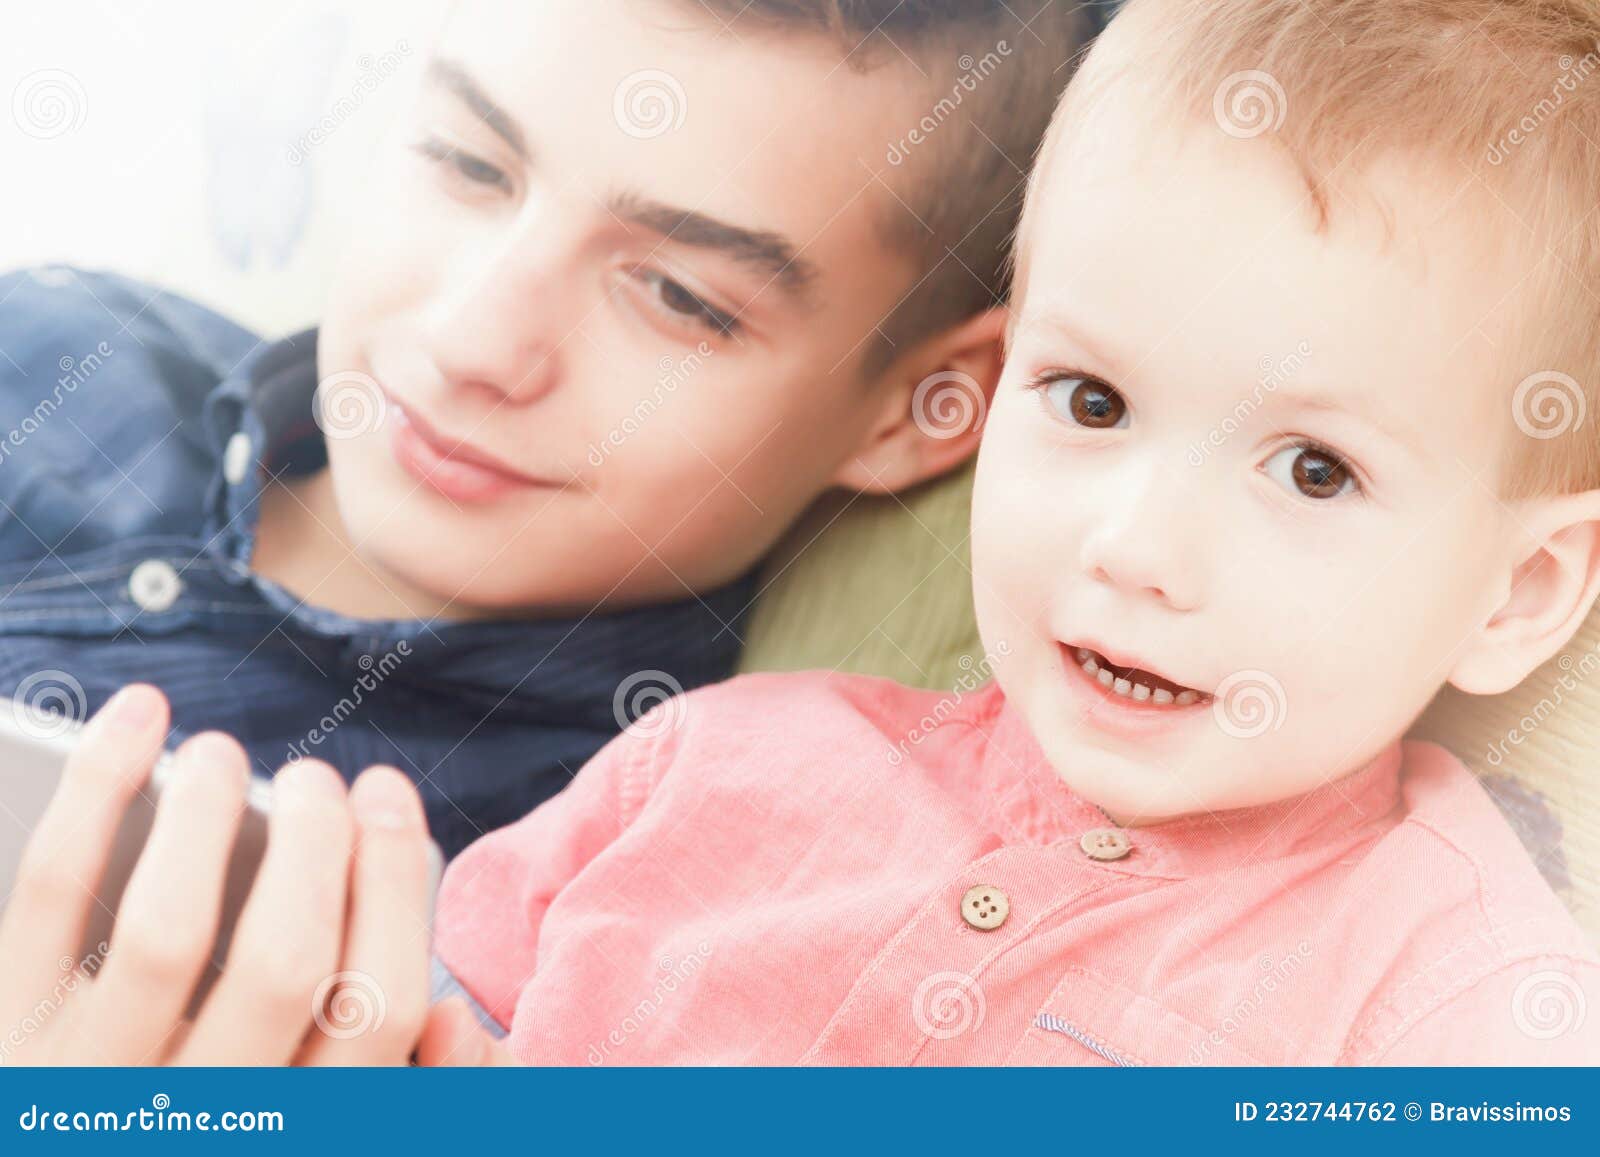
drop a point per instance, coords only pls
(1319, 476)
(1087, 402)
(1312, 472)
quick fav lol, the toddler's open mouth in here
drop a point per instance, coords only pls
(1134, 684)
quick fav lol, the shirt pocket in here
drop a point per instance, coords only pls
(1092, 1021)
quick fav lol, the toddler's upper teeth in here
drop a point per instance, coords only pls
(1127, 688)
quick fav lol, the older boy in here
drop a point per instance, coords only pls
(632, 285)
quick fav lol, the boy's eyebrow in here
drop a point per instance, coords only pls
(769, 252)
(454, 79)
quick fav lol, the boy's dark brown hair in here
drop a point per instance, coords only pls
(994, 70)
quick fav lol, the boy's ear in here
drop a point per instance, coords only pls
(1554, 585)
(936, 398)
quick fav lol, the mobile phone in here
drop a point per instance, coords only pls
(34, 746)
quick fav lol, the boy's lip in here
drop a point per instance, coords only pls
(453, 466)
(1105, 709)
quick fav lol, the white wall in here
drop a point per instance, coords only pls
(196, 142)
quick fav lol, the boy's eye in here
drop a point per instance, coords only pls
(473, 169)
(683, 303)
(1087, 402)
(1311, 472)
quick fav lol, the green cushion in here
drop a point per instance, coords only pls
(874, 585)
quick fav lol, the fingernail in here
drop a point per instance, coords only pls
(213, 753)
(383, 798)
(132, 709)
(309, 777)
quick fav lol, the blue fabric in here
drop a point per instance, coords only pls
(117, 405)
(443, 985)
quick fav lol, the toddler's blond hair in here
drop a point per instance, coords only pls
(1505, 92)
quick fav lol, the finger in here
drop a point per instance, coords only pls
(169, 915)
(378, 1001)
(66, 856)
(453, 1038)
(291, 930)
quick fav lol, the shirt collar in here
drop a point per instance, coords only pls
(599, 669)
(1037, 806)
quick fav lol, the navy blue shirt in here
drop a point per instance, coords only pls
(137, 430)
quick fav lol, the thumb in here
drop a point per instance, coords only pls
(453, 1038)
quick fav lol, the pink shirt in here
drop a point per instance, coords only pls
(749, 876)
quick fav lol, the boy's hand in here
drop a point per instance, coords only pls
(454, 1039)
(338, 914)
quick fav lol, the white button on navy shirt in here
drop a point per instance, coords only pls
(154, 585)
(237, 458)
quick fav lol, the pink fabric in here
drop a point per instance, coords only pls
(770, 871)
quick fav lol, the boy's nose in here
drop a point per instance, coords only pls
(492, 334)
(1135, 543)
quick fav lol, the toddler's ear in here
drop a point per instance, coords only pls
(936, 397)
(1551, 590)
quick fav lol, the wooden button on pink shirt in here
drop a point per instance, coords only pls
(748, 876)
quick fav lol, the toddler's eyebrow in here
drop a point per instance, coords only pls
(766, 251)
(1357, 409)
(1103, 359)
